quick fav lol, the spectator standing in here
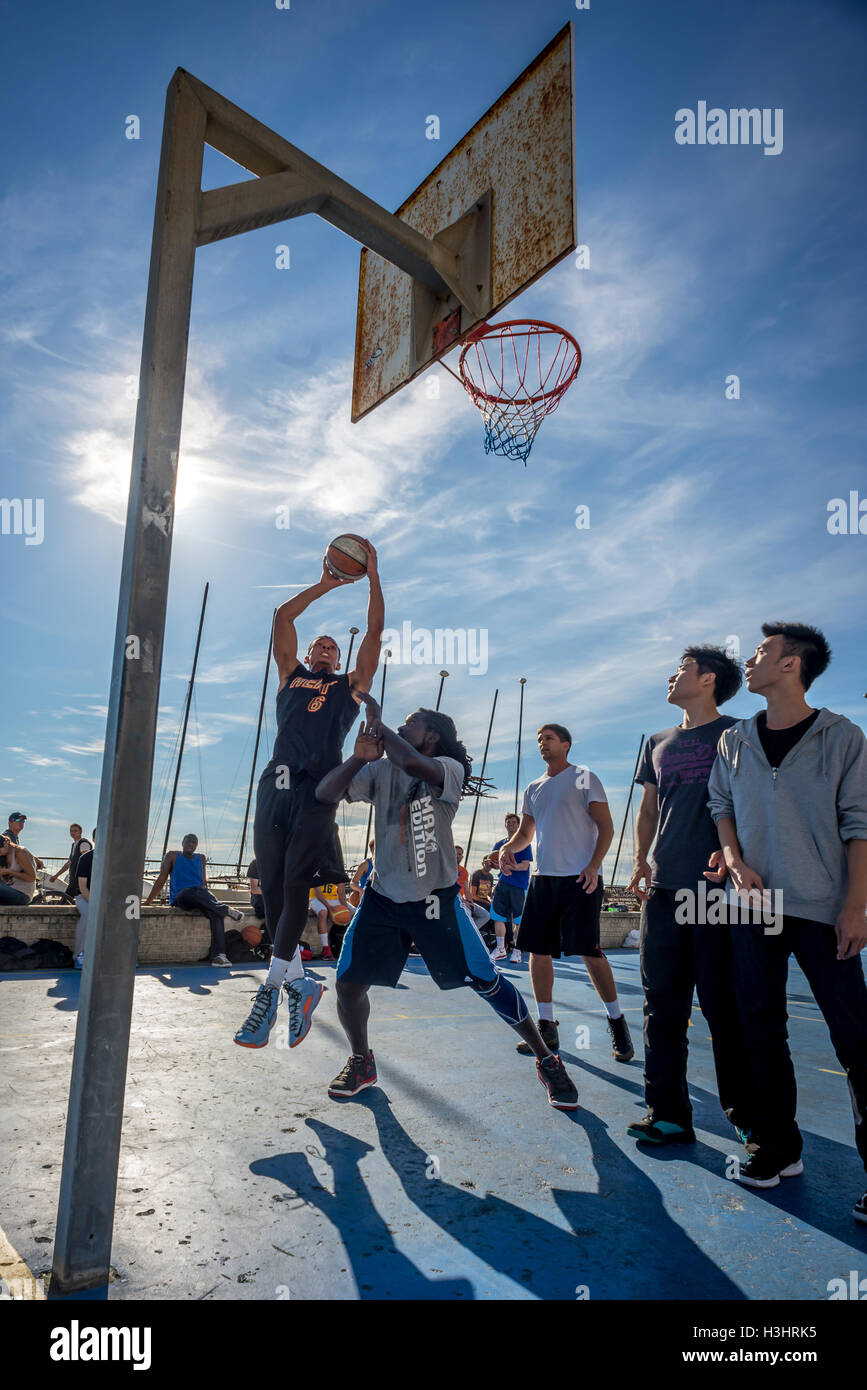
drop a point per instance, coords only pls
(509, 894)
(81, 885)
(80, 847)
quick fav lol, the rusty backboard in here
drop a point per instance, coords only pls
(504, 200)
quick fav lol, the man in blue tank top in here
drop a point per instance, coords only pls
(188, 889)
(294, 835)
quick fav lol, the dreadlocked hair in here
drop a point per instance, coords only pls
(449, 745)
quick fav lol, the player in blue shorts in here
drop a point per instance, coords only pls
(415, 778)
(509, 894)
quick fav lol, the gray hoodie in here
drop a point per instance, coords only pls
(793, 822)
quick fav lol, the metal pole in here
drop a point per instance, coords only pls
(481, 777)
(626, 812)
(443, 675)
(186, 720)
(256, 745)
(353, 633)
(385, 656)
(520, 726)
(88, 1181)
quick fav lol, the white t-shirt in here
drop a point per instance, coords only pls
(566, 833)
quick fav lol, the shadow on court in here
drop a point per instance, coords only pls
(621, 1242)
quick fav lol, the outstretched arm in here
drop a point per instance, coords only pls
(165, 870)
(285, 636)
(401, 753)
(335, 784)
(368, 653)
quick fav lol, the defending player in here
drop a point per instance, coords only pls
(413, 893)
(294, 834)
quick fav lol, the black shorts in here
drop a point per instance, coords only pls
(508, 902)
(560, 919)
(295, 836)
(379, 937)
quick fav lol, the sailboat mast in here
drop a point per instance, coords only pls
(186, 720)
(256, 745)
(481, 781)
(520, 728)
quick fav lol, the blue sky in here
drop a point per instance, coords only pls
(707, 515)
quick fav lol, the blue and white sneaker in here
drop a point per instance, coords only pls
(256, 1032)
(302, 996)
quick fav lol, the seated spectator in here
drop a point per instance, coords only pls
(15, 828)
(463, 876)
(80, 846)
(322, 901)
(479, 900)
(188, 889)
(17, 874)
(360, 877)
(257, 901)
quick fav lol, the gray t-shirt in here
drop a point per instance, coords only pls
(415, 852)
(566, 833)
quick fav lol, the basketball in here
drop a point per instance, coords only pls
(252, 934)
(340, 916)
(346, 557)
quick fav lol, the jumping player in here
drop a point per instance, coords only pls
(567, 810)
(413, 894)
(294, 834)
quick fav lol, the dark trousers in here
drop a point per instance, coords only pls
(198, 899)
(761, 965)
(676, 960)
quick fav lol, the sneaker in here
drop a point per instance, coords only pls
(302, 996)
(235, 914)
(550, 1037)
(498, 953)
(257, 1029)
(516, 958)
(357, 1075)
(859, 1211)
(661, 1131)
(621, 1043)
(764, 1169)
(327, 953)
(306, 953)
(562, 1093)
(78, 963)
(222, 960)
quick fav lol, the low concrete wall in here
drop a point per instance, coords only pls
(167, 936)
(614, 927)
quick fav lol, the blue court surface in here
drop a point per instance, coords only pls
(453, 1179)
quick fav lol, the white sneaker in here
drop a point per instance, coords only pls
(235, 915)
(221, 960)
(516, 958)
(499, 953)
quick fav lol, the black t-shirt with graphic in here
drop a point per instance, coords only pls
(314, 715)
(778, 742)
(678, 763)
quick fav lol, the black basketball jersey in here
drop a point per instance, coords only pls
(314, 715)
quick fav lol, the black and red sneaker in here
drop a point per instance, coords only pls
(562, 1092)
(357, 1075)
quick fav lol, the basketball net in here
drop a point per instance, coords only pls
(517, 373)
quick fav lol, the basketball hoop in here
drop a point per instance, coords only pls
(517, 373)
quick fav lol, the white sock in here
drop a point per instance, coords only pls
(280, 970)
(546, 1012)
(323, 937)
(613, 1009)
